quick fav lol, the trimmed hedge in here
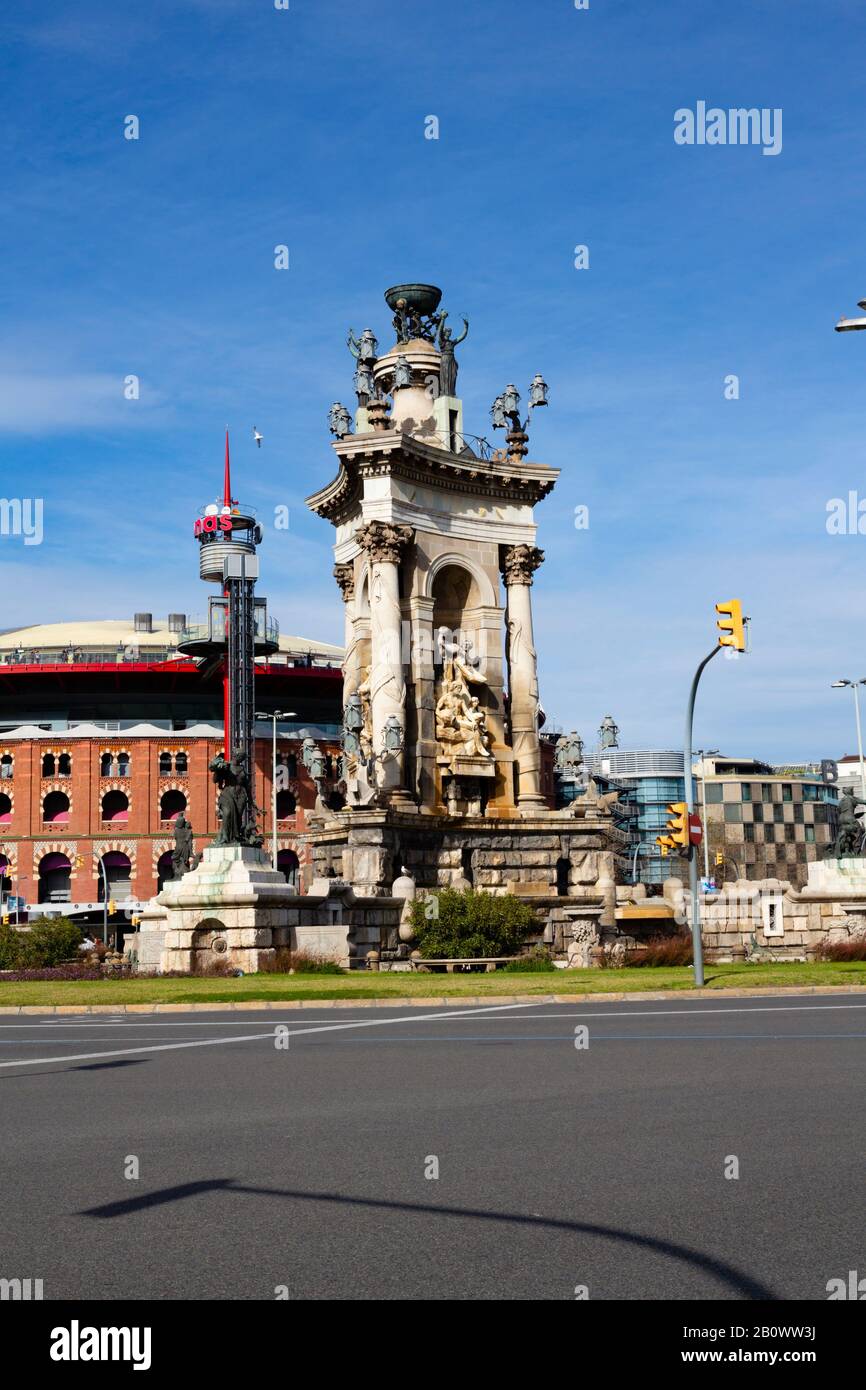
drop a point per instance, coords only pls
(471, 924)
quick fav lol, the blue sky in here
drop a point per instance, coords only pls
(306, 127)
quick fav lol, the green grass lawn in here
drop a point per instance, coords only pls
(366, 985)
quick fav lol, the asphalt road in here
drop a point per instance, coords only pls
(305, 1165)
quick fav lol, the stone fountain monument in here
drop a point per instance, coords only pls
(435, 558)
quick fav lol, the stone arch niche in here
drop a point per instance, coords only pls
(208, 929)
(466, 631)
(203, 951)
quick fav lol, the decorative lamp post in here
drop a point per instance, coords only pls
(277, 714)
(505, 414)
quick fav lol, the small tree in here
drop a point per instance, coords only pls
(49, 941)
(470, 924)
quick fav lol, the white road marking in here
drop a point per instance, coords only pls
(257, 1037)
(143, 1022)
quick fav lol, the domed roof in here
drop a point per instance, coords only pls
(116, 634)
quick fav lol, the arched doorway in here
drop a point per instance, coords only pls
(55, 879)
(5, 877)
(118, 871)
(5, 809)
(289, 865)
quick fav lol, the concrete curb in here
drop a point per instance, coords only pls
(433, 1001)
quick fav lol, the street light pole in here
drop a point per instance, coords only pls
(634, 862)
(855, 686)
(697, 947)
(104, 902)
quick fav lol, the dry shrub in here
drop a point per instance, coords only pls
(661, 951)
(285, 961)
(855, 949)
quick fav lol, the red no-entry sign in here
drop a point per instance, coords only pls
(696, 830)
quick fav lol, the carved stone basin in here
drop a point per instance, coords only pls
(424, 299)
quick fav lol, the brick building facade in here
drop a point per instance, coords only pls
(71, 799)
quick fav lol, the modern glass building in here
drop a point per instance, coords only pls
(650, 780)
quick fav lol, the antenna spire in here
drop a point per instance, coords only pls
(227, 486)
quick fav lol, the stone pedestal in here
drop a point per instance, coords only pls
(836, 878)
(233, 907)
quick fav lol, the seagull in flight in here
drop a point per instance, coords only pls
(257, 437)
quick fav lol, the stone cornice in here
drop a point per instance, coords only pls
(405, 456)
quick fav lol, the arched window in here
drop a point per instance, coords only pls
(163, 870)
(286, 805)
(55, 808)
(48, 764)
(105, 765)
(5, 876)
(123, 764)
(6, 766)
(165, 764)
(55, 879)
(181, 764)
(64, 765)
(171, 804)
(291, 763)
(118, 871)
(115, 806)
(5, 809)
(288, 865)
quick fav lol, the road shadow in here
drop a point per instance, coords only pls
(733, 1278)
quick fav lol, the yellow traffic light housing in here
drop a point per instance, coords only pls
(678, 825)
(112, 907)
(676, 834)
(732, 632)
(720, 856)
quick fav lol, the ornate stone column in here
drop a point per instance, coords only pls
(519, 562)
(384, 544)
(345, 577)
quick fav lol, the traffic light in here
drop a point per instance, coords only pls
(112, 907)
(731, 629)
(677, 829)
(678, 824)
(720, 856)
(5, 919)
